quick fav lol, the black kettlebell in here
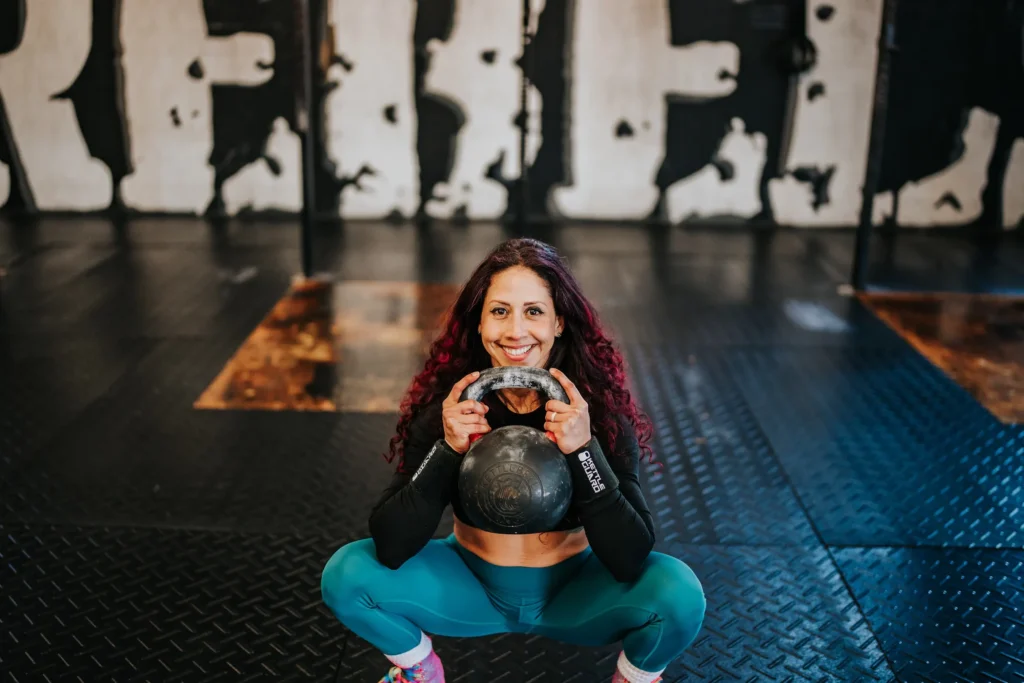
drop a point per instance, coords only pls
(514, 479)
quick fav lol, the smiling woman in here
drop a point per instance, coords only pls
(518, 325)
(591, 579)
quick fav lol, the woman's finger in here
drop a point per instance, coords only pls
(469, 406)
(554, 406)
(460, 386)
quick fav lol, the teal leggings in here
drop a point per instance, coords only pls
(448, 591)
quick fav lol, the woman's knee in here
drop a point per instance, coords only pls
(676, 595)
(348, 574)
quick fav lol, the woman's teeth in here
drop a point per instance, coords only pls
(518, 351)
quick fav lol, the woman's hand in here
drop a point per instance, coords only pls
(463, 419)
(569, 423)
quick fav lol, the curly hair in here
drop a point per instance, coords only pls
(584, 352)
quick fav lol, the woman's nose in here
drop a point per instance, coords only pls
(516, 327)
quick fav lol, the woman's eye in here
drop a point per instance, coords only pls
(536, 311)
(498, 311)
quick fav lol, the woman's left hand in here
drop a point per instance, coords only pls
(569, 423)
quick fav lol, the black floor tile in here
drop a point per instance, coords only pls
(791, 322)
(918, 260)
(143, 456)
(943, 615)
(773, 614)
(58, 231)
(47, 389)
(883, 449)
(718, 481)
(167, 293)
(161, 605)
(154, 292)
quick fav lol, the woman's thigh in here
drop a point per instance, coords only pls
(595, 609)
(434, 590)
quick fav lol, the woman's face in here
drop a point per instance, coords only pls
(518, 322)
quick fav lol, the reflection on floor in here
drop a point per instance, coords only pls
(976, 340)
(350, 346)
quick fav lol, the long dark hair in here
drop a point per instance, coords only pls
(584, 352)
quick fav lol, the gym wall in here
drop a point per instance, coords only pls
(674, 110)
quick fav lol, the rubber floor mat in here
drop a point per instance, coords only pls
(883, 449)
(943, 615)
(158, 605)
(716, 480)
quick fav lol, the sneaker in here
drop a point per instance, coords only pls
(396, 675)
(428, 671)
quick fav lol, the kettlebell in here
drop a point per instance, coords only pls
(514, 479)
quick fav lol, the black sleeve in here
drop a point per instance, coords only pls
(408, 511)
(611, 504)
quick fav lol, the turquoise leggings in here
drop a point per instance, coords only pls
(448, 591)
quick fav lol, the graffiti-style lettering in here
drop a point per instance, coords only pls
(421, 110)
(371, 117)
(169, 65)
(618, 119)
(60, 173)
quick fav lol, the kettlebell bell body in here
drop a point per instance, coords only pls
(514, 479)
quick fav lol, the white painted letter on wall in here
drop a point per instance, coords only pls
(953, 195)
(730, 186)
(371, 115)
(169, 63)
(623, 67)
(272, 182)
(1013, 188)
(60, 172)
(831, 131)
(5, 183)
(475, 70)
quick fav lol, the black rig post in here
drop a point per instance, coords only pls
(876, 145)
(303, 119)
(524, 83)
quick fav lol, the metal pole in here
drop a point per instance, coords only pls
(302, 123)
(524, 119)
(876, 145)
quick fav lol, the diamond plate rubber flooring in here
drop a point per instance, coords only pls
(852, 514)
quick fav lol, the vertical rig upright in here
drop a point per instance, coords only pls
(304, 127)
(876, 145)
(522, 214)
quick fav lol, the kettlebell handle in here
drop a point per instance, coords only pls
(515, 377)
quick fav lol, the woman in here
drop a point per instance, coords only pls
(593, 579)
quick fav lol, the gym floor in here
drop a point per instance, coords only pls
(187, 434)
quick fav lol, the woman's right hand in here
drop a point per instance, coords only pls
(462, 419)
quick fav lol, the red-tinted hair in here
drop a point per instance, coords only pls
(583, 352)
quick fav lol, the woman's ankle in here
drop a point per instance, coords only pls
(409, 658)
(421, 663)
(625, 672)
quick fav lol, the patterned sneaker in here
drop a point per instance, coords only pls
(395, 675)
(427, 671)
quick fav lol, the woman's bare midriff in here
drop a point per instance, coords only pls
(521, 550)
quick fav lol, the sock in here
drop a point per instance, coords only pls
(408, 659)
(627, 673)
(430, 669)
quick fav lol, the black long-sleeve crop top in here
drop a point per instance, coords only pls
(617, 521)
